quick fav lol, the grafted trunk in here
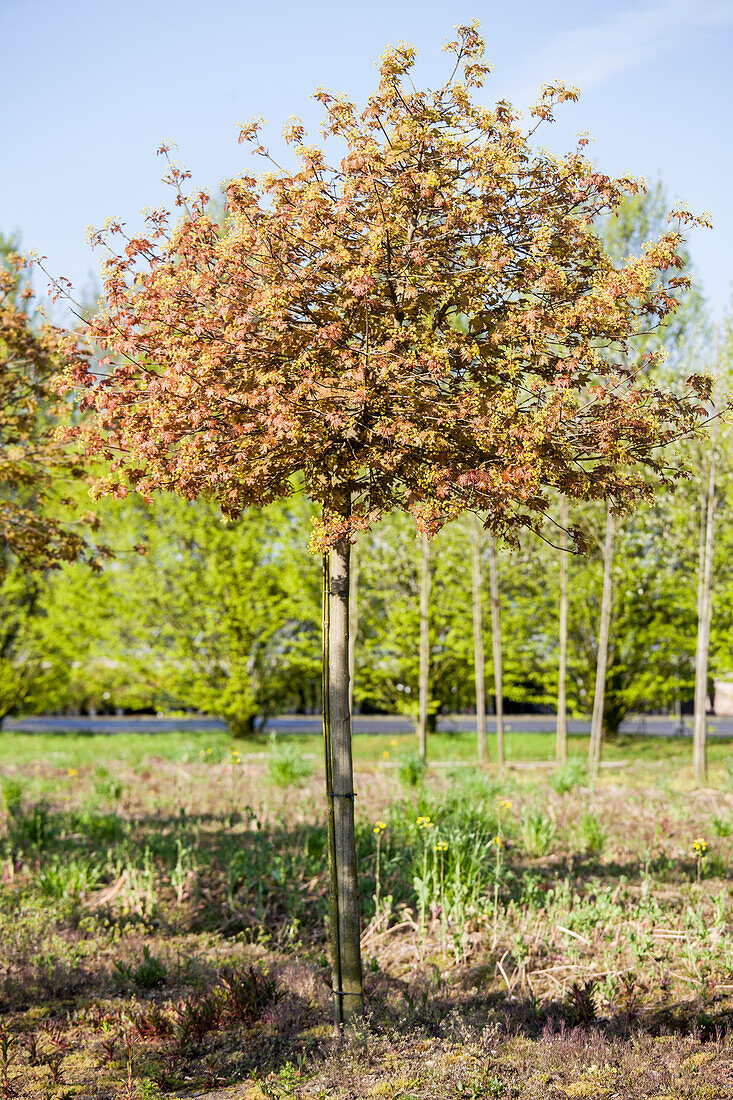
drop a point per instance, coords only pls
(348, 997)
(496, 650)
(562, 706)
(704, 619)
(424, 674)
(596, 728)
(478, 640)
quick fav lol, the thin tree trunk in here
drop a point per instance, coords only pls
(478, 640)
(596, 728)
(353, 620)
(704, 618)
(562, 707)
(496, 650)
(422, 718)
(346, 969)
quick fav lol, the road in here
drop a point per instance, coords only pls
(659, 725)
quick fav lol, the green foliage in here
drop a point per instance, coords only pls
(537, 832)
(150, 973)
(411, 770)
(569, 776)
(286, 765)
(591, 834)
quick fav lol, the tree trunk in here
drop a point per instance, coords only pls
(704, 618)
(348, 997)
(562, 706)
(596, 728)
(496, 650)
(422, 718)
(478, 640)
(353, 620)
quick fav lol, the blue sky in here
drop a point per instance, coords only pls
(95, 88)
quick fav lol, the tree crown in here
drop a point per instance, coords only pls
(432, 324)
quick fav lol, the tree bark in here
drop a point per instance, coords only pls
(478, 640)
(562, 706)
(424, 674)
(704, 619)
(496, 650)
(596, 728)
(348, 996)
(353, 620)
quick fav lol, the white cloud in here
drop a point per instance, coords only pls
(622, 39)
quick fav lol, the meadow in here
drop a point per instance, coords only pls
(164, 903)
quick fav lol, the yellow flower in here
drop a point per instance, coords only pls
(72, 772)
(385, 755)
(379, 827)
(497, 841)
(425, 823)
(505, 804)
(393, 741)
(700, 846)
(441, 846)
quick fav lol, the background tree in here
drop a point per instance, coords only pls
(37, 527)
(314, 339)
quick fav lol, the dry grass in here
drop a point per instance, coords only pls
(136, 892)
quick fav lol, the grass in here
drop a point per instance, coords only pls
(164, 900)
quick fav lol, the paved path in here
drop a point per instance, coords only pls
(659, 725)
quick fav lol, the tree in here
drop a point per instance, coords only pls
(425, 326)
(37, 526)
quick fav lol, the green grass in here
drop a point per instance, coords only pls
(63, 751)
(144, 875)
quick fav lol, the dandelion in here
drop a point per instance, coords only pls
(393, 742)
(505, 804)
(385, 755)
(441, 846)
(379, 827)
(425, 823)
(699, 847)
(72, 772)
(497, 841)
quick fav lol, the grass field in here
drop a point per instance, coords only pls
(164, 901)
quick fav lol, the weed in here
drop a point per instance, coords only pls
(537, 833)
(148, 1089)
(65, 879)
(569, 776)
(247, 993)
(31, 1042)
(411, 770)
(151, 973)
(722, 826)
(12, 796)
(591, 834)
(580, 1003)
(286, 765)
